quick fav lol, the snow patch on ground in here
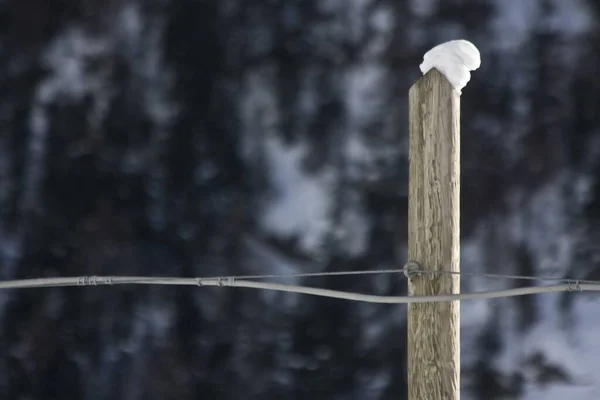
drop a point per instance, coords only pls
(266, 260)
(423, 8)
(474, 314)
(355, 227)
(364, 89)
(302, 203)
(540, 222)
(575, 350)
(515, 21)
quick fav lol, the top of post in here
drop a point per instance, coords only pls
(434, 78)
(454, 60)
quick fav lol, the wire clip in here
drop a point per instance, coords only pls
(220, 281)
(574, 286)
(94, 280)
(87, 281)
(412, 269)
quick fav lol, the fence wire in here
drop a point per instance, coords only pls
(249, 281)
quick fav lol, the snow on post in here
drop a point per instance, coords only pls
(454, 59)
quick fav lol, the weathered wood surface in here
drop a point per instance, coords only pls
(434, 215)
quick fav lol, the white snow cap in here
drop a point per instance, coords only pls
(454, 59)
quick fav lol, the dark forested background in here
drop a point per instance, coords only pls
(219, 137)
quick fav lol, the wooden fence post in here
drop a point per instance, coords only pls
(433, 231)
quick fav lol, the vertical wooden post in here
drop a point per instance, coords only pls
(433, 238)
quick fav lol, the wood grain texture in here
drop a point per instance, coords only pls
(433, 223)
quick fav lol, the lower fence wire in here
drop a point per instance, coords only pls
(569, 285)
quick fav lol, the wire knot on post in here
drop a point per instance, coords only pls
(412, 269)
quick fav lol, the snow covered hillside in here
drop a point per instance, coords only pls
(189, 138)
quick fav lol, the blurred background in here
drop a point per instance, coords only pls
(227, 137)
